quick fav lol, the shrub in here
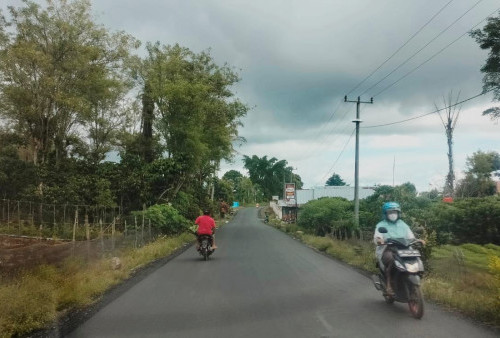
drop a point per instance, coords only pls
(469, 220)
(186, 205)
(167, 219)
(320, 216)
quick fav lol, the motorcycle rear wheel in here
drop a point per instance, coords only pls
(416, 302)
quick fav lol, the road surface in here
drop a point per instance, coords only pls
(262, 283)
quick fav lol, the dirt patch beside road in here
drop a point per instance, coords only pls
(19, 253)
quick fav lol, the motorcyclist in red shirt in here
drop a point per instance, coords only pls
(206, 226)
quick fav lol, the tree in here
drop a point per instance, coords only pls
(16, 176)
(489, 39)
(232, 175)
(60, 72)
(270, 174)
(449, 122)
(147, 118)
(245, 191)
(195, 112)
(335, 180)
(223, 190)
(481, 166)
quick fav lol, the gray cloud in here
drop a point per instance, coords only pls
(298, 59)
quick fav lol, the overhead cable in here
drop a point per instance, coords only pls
(436, 54)
(323, 142)
(341, 152)
(401, 47)
(433, 112)
(421, 49)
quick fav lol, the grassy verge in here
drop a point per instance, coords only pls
(356, 253)
(464, 278)
(37, 297)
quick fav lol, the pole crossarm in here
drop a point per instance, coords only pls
(358, 100)
(356, 163)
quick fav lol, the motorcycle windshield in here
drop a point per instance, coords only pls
(400, 241)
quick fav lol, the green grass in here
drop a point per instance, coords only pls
(473, 294)
(37, 297)
(356, 253)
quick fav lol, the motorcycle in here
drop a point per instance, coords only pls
(205, 246)
(406, 274)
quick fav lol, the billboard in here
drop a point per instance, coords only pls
(290, 194)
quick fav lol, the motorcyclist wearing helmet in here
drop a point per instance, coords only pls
(206, 226)
(396, 228)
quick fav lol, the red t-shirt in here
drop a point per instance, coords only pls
(205, 225)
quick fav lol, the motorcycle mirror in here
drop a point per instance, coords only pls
(382, 230)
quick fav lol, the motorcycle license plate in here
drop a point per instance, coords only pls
(408, 253)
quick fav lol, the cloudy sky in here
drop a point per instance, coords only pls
(297, 60)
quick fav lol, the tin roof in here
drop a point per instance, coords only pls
(347, 192)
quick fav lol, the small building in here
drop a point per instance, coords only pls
(347, 192)
(287, 211)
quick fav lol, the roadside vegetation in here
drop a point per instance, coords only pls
(168, 119)
(34, 299)
(462, 255)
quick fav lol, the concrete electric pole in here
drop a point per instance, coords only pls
(356, 164)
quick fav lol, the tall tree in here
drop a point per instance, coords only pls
(60, 73)
(195, 112)
(147, 119)
(335, 180)
(270, 174)
(488, 38)
(449, 120)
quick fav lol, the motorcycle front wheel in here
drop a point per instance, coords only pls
(388, 299)
(416, 302)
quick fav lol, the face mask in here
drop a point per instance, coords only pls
(392, 217)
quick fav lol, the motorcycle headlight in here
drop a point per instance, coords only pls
(399, 266)
(412, 267)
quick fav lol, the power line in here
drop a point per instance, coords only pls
(331, 116)
(415, 34)
(433, 112)
(338, 129)
(421, 49)
(341, 152)
(393, 54)
(323, 142)
(436, 54)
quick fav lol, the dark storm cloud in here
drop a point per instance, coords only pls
(297, 59)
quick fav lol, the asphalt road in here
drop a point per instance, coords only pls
(262, 283)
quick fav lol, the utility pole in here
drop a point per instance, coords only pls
(356, 163)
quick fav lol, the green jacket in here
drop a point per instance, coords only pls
(398, 229)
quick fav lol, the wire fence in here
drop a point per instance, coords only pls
(39, 233)
(66, 222)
